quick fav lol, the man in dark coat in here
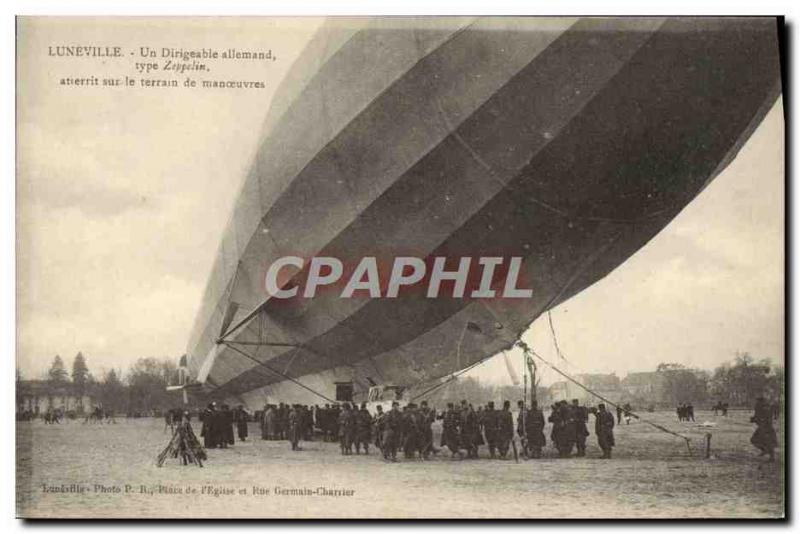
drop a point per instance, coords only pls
(451, 432)
(411, 431)
(490, 427)
(604, 429)
(208, 432)
(392, 422)
(226, 417)
(505, 429)
(534, 431)
(764, 438)
(378, 423)
(294, 426)
(363, 429)
(470, 429)
(580, 416)
(427, 417)
(241, 418)
(346, 429)
(563, 434)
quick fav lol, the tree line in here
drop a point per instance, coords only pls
(141, 389)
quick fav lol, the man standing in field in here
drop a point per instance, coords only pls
(581, 416)
(363, 428)
(378, 423)
(240, 417)
(470, 429)
(534, 431)
(346, 428)
(427, 417)
(451, 431)
(294, 426)
(490, 427)
(764, 438)
(505, 429)
(392, 422)
(604, 428)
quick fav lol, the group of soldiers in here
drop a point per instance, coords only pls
(570, 428)
(292, 422)
(409, 429)
(218, 423)
(685, 412)
(465, 429)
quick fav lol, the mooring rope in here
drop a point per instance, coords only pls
(607, 401)
(287, 377)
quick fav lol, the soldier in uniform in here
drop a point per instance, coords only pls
(604, 429)
(240, 417)
(534, 431)
(764, 438)
(220, 432)
(470, 430)
(333, 422)
(505, 429)
(208, 432)
(346, 430)
(451, 432)
(294, 426)
(379, 427)
(392, 422)
(363, 429)
(580, 416)
(426, 416)
(563, 431)
(411, 431)
(490, 427)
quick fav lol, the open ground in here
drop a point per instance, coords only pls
(108, 471)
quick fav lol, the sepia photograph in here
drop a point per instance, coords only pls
(401, 267)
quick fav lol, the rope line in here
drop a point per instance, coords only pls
(451, 378)
(287, 377)
(555, 338)
(614, 404)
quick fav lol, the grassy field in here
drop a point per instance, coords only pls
(109, 471)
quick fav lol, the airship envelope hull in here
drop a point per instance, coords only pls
(567, 142)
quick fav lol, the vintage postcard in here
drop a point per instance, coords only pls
(400, 267)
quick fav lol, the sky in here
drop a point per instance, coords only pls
(123, 194)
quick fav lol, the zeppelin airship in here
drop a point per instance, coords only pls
(567, 143)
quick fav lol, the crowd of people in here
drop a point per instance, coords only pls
(465, 429)
(408, 430)
(685, 412)
(218, 424)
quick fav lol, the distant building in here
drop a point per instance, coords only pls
(605, 385)
(39, 396)
(646, 385)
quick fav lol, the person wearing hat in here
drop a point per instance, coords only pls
(764, 438)
(490, 427)
(208, 431)
(392, 423)
(604, 428)
(505, 429)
